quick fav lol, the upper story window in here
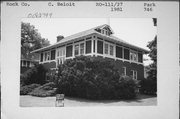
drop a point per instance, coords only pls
(53, 52)
(47, 56)
(108, 49)
(69, 51)
(105, 32)
(126, 53)
(76, 49)
(140, 57)
(79, 49)
(119, 52)
(41, 59)
(61, 52)
(133, 56)
(111, 50)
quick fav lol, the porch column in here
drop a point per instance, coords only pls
(92, 46)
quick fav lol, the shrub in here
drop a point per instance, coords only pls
(148, 86)
(45, 90)
(24, 90)
(36, 74)
(93, 78)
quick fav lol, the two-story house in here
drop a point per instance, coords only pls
(95, 42)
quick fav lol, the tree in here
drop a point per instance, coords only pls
(149, 85)
(152, 73)
(31, 40)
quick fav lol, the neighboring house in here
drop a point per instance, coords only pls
(28, 62)
(95, 42)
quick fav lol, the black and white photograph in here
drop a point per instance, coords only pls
(88, 62)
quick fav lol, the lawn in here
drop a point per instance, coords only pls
(32, 101)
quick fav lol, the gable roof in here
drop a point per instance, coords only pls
(89, 32)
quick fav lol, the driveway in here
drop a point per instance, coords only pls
(32, 101)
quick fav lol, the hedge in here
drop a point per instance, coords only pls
(94, 78)
(36, 74)
(48, 89)
(148, 86)
(24, 90)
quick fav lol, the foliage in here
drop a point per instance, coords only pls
(36, 74)
(94, 78)
(31, 40)
(152, 73)
(45, 90)
(24, 90)
(148, 86)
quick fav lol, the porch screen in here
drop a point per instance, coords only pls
(118, 52)
(126, 54)
(140, 57)
(53, 54)
(41, 57)
(88, 46)
(69, 51)
(100, 47)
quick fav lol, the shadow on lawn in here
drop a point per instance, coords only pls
(137, 99)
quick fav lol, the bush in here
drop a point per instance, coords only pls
(148, 86)
(94, 78)
(24, 90)
(45, 90)
(36, 74)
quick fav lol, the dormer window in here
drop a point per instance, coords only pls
(105, 32)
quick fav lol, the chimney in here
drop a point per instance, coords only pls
(59, 38)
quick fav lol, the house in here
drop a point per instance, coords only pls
(95, 42)
(27, 62)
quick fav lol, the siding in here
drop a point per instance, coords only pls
(131, 66)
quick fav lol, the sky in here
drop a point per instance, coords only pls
(137, 31)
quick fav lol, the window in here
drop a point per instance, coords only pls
(118, 52)
(69, 51)
(41, 60)
(82, 48)
(140, 57)
(61, 53)
(134, 74)
(126, 54)
(105, 31)
(106, 48)
(111, 50)
(100, 47)
(46, 56)
(133, 56)
(102, 31)
(124, 71)
(28, 63)
(88, 46)
(53, 52)
(76, 50)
